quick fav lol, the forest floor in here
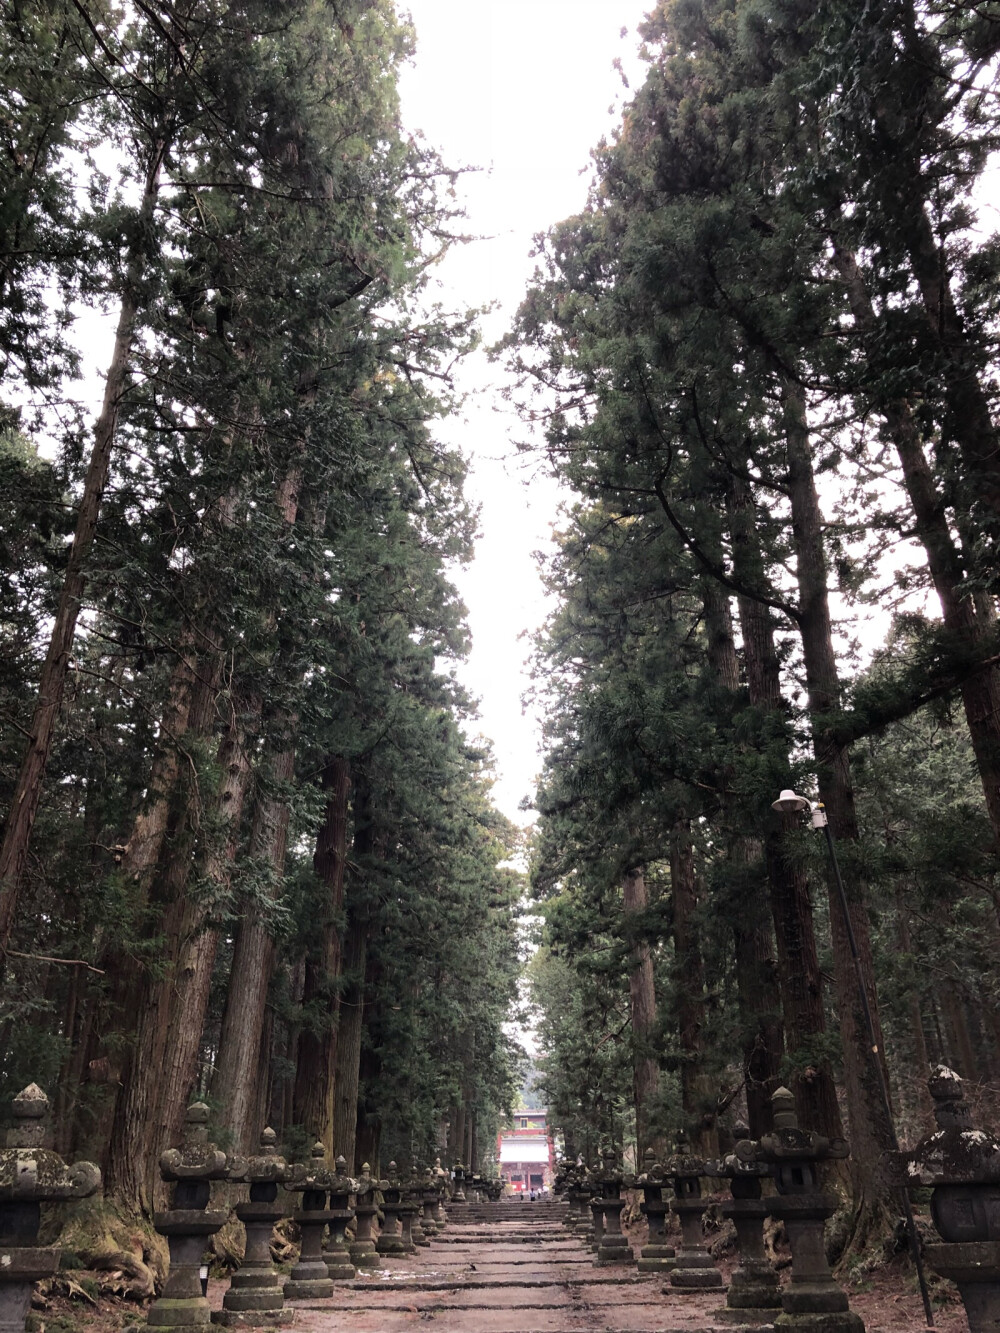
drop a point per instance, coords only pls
(523, 1274)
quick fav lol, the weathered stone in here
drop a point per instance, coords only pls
(693, 1268)
(458, 1187)
(340, 1213)
(963, 1166)
(309, 1278)
(392, 1243)
(362, 1248)
(255, 1298)
(31, 1174)
(613, 1247)
(812, 1300)
(754, 1295)
(188, 1223)
(656, 1255)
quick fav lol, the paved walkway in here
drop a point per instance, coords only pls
(509, 1267)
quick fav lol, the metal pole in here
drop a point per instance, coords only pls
(911, 1226)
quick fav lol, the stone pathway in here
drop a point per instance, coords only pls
(506, 1268)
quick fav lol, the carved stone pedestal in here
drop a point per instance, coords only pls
(754, 1295)
(188, 1224)
(693, 1268)
(362, 1248)
(309, 1278)
(31, 1174)
(255, 1298)
(656, 1256)
(391, 1244)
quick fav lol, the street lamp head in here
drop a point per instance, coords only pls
(788, 803)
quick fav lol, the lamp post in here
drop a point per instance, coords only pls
(790, 803)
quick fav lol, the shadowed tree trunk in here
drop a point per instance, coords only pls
(799, 980)
(316, 1057)
(753, 941)
(870, 1129)
(642, 1001)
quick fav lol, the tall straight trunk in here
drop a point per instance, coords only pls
(870, 1128)
(235, 1083)
(51, 687)
(474, 1144)
(799, 980)
(243, 1020)
(352, 1012)
(190, 980)
(753, 941)
(972, 624)
(698, 1106)
(316, 1057)
(459, 1141)
(642, 1008)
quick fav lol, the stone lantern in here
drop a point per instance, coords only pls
(188, 1223)
(754, 1295)
(309, 1278)
(255, 1298)
(458, 1189)
(812, 1300)
(391, 1243)
(693, 1268)
(963, 1166)
(428, 1202)
(339, 1213)
(440, 1176)
(31, 1174)
(413, 1195)
(362, 1248)
(578, 1219)
(613, 1247)
(656, 1255)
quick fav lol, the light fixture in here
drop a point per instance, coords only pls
(789, 803)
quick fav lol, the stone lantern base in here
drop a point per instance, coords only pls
(20, 1268)
(974, 1267)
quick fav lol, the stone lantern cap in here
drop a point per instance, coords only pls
(31, 1172)
(734, 1166)
(340, 1181)
(197, 1158)
(956, 1153)
(789, 1143)
(266, 1167)
(314, 1175)
(366, 1184)
(683, 1163)
(652, 1170)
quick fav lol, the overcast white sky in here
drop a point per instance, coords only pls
(523, 89)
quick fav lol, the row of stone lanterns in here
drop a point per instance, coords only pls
(792, 1158)
(32, 1174)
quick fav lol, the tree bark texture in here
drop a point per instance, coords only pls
(642, 1007)
(756, 971)
(316, 1058)
(352, 1011)
(872, 1134)
(799, 980)
(699, 1109)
